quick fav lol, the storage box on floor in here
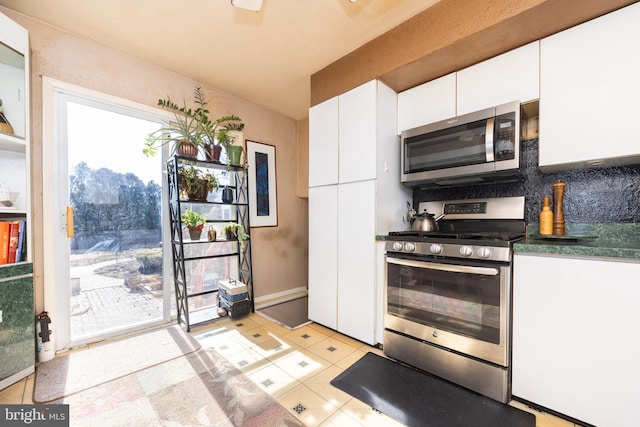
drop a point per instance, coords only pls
(233, 297)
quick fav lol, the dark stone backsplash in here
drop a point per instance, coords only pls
(605, 195)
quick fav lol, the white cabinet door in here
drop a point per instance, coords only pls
(575, 347)
(357, 133)
(430, 102)
(323, 256)
(511, 76)
(323, 143)
(589, 93)
(356, 260)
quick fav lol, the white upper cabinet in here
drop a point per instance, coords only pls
(430, 102)
(589, 93)
(358, 133)
(511, 76)
(343, 137)
(323, 143)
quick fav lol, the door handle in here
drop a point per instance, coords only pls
(450, 268)
(70, 222)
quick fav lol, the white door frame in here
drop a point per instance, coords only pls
(55, 242)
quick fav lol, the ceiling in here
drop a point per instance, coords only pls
(266, 57)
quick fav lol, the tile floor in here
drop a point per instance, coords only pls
(295, 367)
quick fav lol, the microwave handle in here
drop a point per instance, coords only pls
(488, 140)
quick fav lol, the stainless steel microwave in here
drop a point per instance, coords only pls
(467, 149)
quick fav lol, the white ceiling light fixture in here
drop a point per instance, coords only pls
(254, 5)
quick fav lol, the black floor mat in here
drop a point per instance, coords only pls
(418, 399)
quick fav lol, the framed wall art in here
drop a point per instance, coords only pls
(263, 202)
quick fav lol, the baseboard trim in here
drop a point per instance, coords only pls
(18, 376)
(279, 297)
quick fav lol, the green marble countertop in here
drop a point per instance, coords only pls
(585, 240)
(7, 271)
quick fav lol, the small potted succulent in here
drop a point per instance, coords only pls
(195, 222)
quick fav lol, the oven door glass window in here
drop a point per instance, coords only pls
(459, 299)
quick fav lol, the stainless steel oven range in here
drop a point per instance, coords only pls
(448, 293)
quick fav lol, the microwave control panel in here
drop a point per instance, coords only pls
(505, 137)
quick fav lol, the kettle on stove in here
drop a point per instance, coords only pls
(423, 221)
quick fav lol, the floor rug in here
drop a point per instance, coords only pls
(85, 368)
(290, 314)
(418, 399)
(199, 389)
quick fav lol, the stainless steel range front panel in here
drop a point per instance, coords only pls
(489, 380)
(460, 307)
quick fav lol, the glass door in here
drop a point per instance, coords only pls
(448, 298)
(111, 264)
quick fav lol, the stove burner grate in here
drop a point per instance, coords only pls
(483, 235)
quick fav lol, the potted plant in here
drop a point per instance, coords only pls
(209, 181)
(196, 184)
(184, 131)
(230, 137)
(214, 132)
(195, 223)
(235, 231)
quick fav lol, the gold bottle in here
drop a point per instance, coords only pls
(546, 218)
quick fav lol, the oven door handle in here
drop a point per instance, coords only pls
(486, 271)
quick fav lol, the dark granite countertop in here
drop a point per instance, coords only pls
(586, 240)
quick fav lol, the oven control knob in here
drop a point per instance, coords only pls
(409, 247)
(435, 248)
(484, 252)
(466, 250)
(397, 246)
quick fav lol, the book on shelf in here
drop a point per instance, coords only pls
(4, 242)
(22, 242)
(12, 241)
(14, 233)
